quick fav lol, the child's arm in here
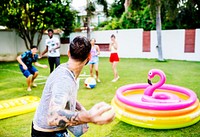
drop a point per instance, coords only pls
(98, 50)
(19, 59)
(40, 65)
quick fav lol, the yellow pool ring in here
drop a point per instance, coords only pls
(133, 109)
(156, 126)
(156, 112)
(157, 122)
(18, 106)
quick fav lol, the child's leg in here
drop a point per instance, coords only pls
(28, 80)
(34, 72)
(91, 70)
(115, 69)
(28, 76)
(97, 72)
(34, 76)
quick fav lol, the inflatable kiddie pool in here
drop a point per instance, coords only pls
(18, 106)
(157, 106)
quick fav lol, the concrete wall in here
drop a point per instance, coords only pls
(130, 44)
(131, 41)
(12, 45)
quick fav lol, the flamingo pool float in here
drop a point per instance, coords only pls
(159, 105)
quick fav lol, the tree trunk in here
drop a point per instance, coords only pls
(26, 44)
(40, 34)
(158, 29)
(88, 20)
(29, 40)
(88, 27)
(127, 4)
(23, 36)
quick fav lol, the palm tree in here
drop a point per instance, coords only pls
(171, 6)
(156, 6)
(90, 9)
(90, 12)
(158, 29)
(127, 3)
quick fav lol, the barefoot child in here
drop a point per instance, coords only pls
(25, 64)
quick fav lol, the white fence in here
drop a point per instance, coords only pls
(130, 44)
(131, 41)
(12, 45)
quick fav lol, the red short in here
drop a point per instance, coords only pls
(114, 57)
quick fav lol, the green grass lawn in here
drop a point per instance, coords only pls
(131, 71)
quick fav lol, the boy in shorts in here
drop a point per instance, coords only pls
(25, 64)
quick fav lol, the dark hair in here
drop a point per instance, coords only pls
(50, 30)
(34, 46)
(112, 36)
(93, 39)
(80, 48)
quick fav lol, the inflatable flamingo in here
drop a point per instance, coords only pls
(159, 105)
(161, 97)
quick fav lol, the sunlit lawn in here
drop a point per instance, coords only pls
(181, 73)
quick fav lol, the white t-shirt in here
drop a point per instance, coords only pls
(52, 43)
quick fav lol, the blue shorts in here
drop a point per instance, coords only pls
(94, 60)
(29, 71)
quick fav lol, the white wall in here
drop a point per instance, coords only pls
(131, 41)
(130, 44)
(11, 45)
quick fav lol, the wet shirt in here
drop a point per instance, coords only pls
(28, 58)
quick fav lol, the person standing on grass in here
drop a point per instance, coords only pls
(25, 64)
(52, 47)
(95, 51)
(114, 59)
(59, 110)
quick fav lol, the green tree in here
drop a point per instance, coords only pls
(177, 14)
(91, 9)
(137, 16)
(188, 16)
(117, 9)
(31, 17)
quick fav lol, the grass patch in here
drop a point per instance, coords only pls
(181, 73)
